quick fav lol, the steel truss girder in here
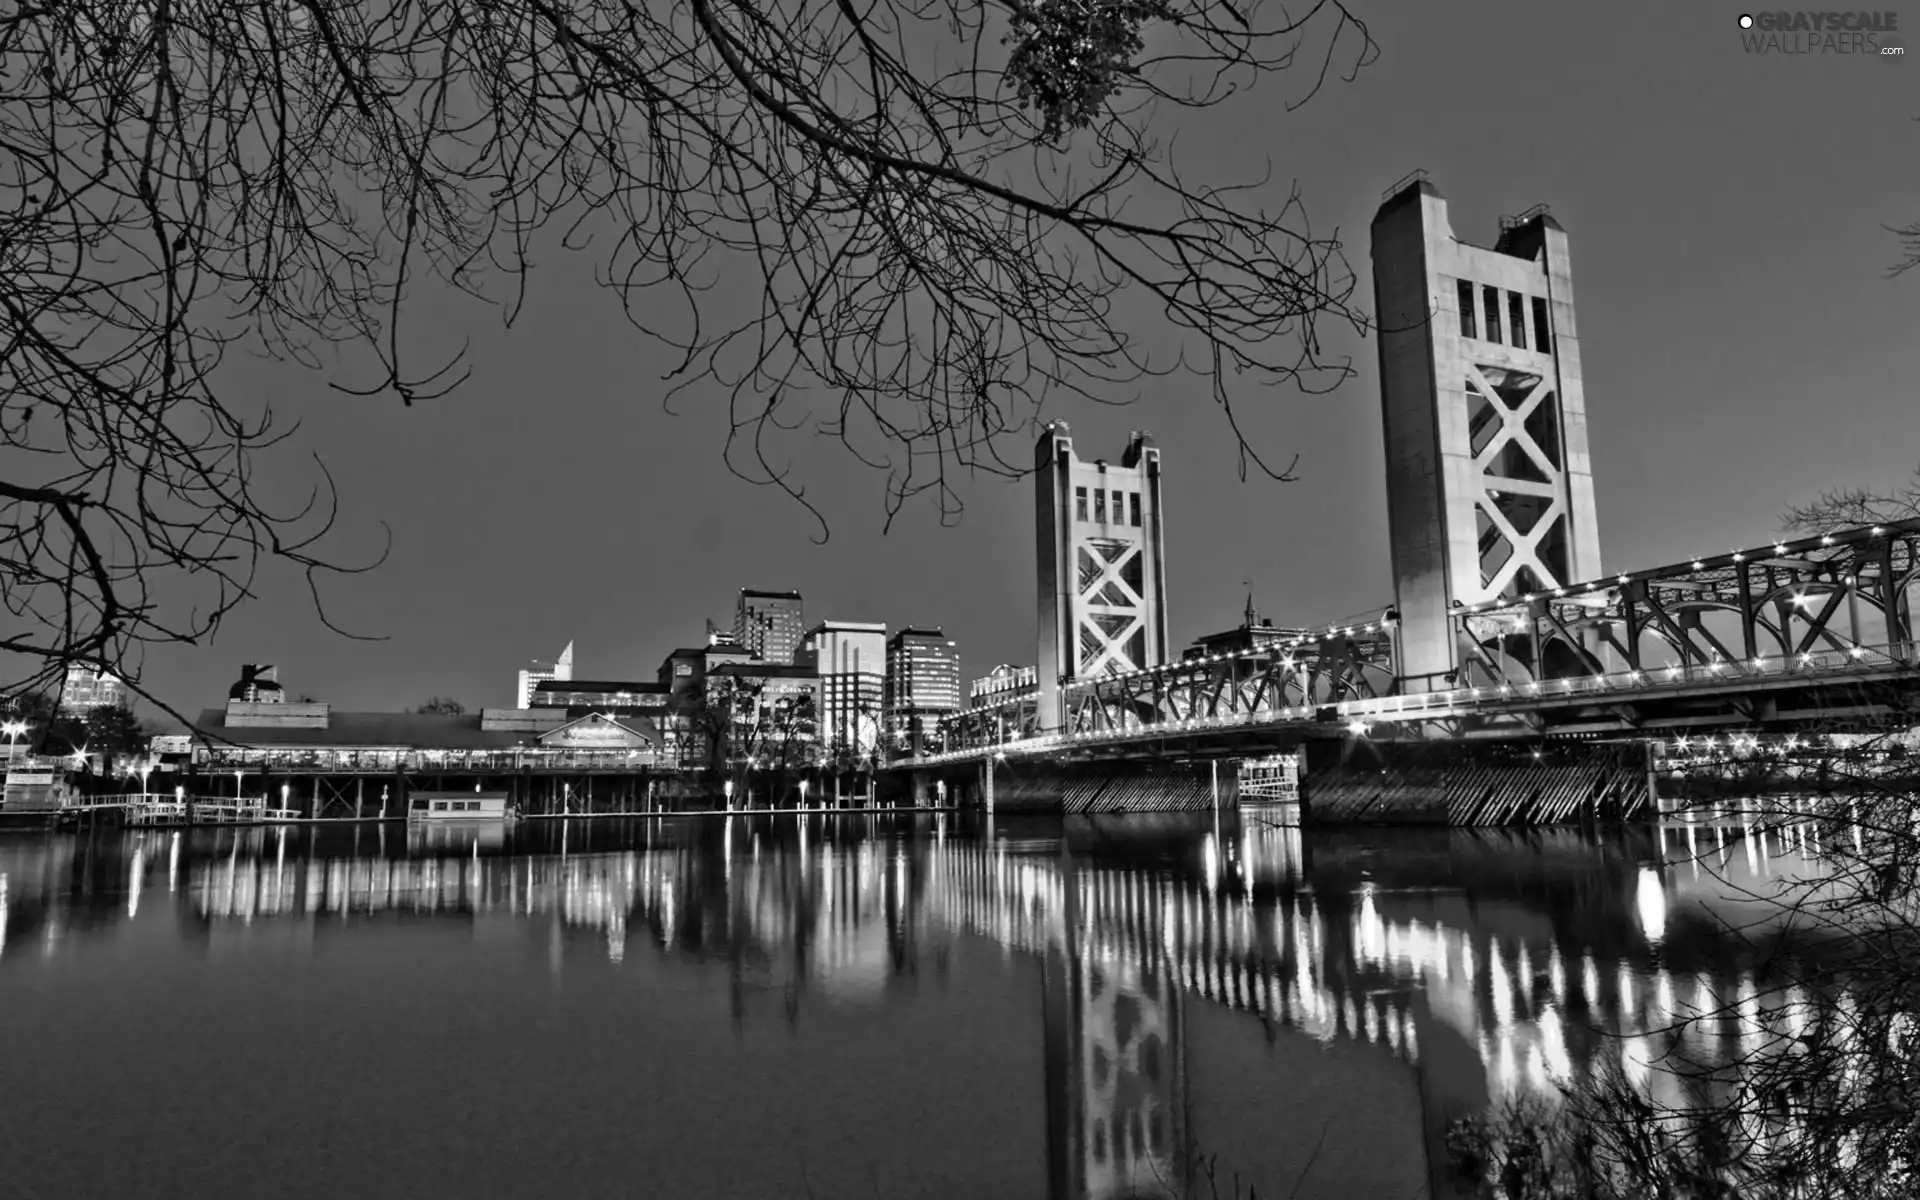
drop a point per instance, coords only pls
(1752, 612)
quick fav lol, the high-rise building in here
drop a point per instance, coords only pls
(562, 669)
(1102, 565)
(851, 659)
(85, 690)
(1489, 485)
(922, 685)
(769, 624)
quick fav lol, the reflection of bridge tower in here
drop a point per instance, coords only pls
(1116, 1070)
(1102, 565)
(1489, 486)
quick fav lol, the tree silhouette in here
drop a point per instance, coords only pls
(932, 210)
(443, 706)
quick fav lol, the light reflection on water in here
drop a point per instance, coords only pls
(1169, 986)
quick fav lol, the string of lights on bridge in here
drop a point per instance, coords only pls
(1421, 705)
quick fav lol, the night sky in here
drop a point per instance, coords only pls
(1742, 348)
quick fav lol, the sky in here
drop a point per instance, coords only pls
(1742, 349)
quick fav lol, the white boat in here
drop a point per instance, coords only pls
(458, 806)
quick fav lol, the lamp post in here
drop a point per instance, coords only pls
(13, 730)
(146, 769)
(729, 786)
(803, 793)
(237, 797)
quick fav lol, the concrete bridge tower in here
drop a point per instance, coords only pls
(1102, 565)
(1489, 486)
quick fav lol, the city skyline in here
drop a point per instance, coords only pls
(1710, 402)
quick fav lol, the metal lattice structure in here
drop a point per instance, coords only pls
(1752, 614)
(1340, 667)
(1762, 635)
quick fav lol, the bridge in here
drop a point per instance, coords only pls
(1503, 628)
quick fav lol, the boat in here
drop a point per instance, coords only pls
(36, 787)
(458, 806)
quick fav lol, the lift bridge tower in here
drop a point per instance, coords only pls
(1102, 565)
(1489, 484)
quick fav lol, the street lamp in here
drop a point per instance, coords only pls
(729, 787)
(803, 793)
(13, 730)
(146, 769)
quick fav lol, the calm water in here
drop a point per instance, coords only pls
(834, 1007)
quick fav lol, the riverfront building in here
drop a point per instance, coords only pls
(769, 624)
(922, 686)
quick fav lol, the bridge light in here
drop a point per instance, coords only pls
(1559, 591)
(1357, 727)
(1673, 672)
(1760, 661)
(1826, 539)
(1878, 530)
(1698, 565)
(1778, 549)
(1739, 557)
(1859, 651)
(1623, 579)
(1805, 659)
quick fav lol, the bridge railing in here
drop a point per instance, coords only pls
(1854, 660)
(223, 758)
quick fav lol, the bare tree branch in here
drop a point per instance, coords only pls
(910, 225)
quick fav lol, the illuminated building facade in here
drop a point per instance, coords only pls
(851, 658)
(770, 625)
(922, 685)
(1102, 566)
(84, 691)
(562, 669)
(998, 684)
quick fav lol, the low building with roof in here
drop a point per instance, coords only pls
(319, 756)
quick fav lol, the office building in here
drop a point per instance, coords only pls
(84, 691)
(851, 659)
(562, 669)
(769, 625)
(922, 686)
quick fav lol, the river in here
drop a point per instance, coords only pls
(845, 1006)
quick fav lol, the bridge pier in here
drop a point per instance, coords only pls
(1359, 782)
